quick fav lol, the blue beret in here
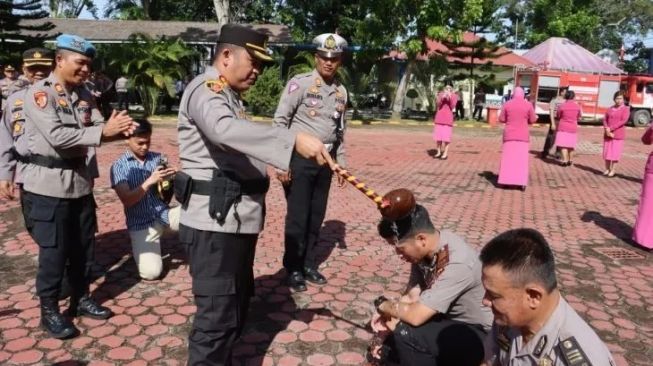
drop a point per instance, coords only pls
(77, 44)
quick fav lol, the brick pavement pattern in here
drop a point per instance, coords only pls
(580, 212)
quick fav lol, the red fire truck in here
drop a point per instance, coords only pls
(594, 92)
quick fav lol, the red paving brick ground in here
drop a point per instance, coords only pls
(578, 210)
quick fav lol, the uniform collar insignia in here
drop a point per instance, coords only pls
(441, 259)
(539, 347)
(318, 82)
(217, 85)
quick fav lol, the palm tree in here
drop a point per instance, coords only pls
(153, 66)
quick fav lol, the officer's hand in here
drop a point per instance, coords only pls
(119, 123)
(341, 180)
(310, 147)
(7, 190)
(284, 177)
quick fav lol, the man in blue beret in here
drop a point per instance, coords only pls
(63, 127)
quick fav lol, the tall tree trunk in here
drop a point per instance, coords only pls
(222, 11)
(400, 93)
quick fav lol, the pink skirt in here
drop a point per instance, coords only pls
(643, 230)
(566, 139)
(442, 133)
(514, 163)
(612, 149)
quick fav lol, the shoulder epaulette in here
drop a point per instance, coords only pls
(216, 85)
(572, 353)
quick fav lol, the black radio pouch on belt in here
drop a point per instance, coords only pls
(183, 188)
(226, 192)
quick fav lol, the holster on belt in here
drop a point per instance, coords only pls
(224, 190)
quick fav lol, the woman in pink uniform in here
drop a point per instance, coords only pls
(517, 114)
(643, 231)
(445, 104)
(568, 115)
(615, 133)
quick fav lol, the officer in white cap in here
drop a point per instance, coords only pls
(313, 102)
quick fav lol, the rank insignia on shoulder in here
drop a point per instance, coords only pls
(18, 102)
(572, 353)
(216, 85)
(41, 99)
(59, 89)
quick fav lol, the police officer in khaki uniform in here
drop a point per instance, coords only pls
(315, 103)
(37, 65)
(533, 324)
(222, 188)
(62, 127)
(440, 319)
(8, 83)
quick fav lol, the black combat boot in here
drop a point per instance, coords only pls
(86, 306)
(53, 322)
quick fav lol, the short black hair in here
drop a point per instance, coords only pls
(144, 127)
(525, 255)
(569, 95)
(417, 222)
(219, 47)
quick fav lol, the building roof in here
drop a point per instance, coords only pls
(507, 58)
(116, 31)
(562, 54)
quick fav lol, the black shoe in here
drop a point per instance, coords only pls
(312, 275)
(53, 322)
(296, 281)
(86, 306)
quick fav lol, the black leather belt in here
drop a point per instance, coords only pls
(55, 163)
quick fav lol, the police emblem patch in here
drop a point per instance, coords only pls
(330, 43)
(215, 85)
(41, 99)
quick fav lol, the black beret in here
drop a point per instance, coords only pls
(254, 41)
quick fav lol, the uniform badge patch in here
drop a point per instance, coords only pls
(313, 102)
(18, 129)
(62, 102)
(318, 82)
(314, 90)
(216, 85)
(292, 87)
(312, 113)
(545, 361)
(16, 116)
(18, 102)
(59, 89)
(41, 99)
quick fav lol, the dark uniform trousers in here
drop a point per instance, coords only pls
(550, 140)
(438, 342)
(221, 268)
(307, 196)
(64, 229)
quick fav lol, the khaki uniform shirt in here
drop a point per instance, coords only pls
(9, 86)
(310, 105)
(214, 133)
(12, 133)
(61, 124)
(565, 340)
(455, 290)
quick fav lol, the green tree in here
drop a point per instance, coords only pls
(71, 8)
(13, 39)
(152, 66)
(263, 97)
